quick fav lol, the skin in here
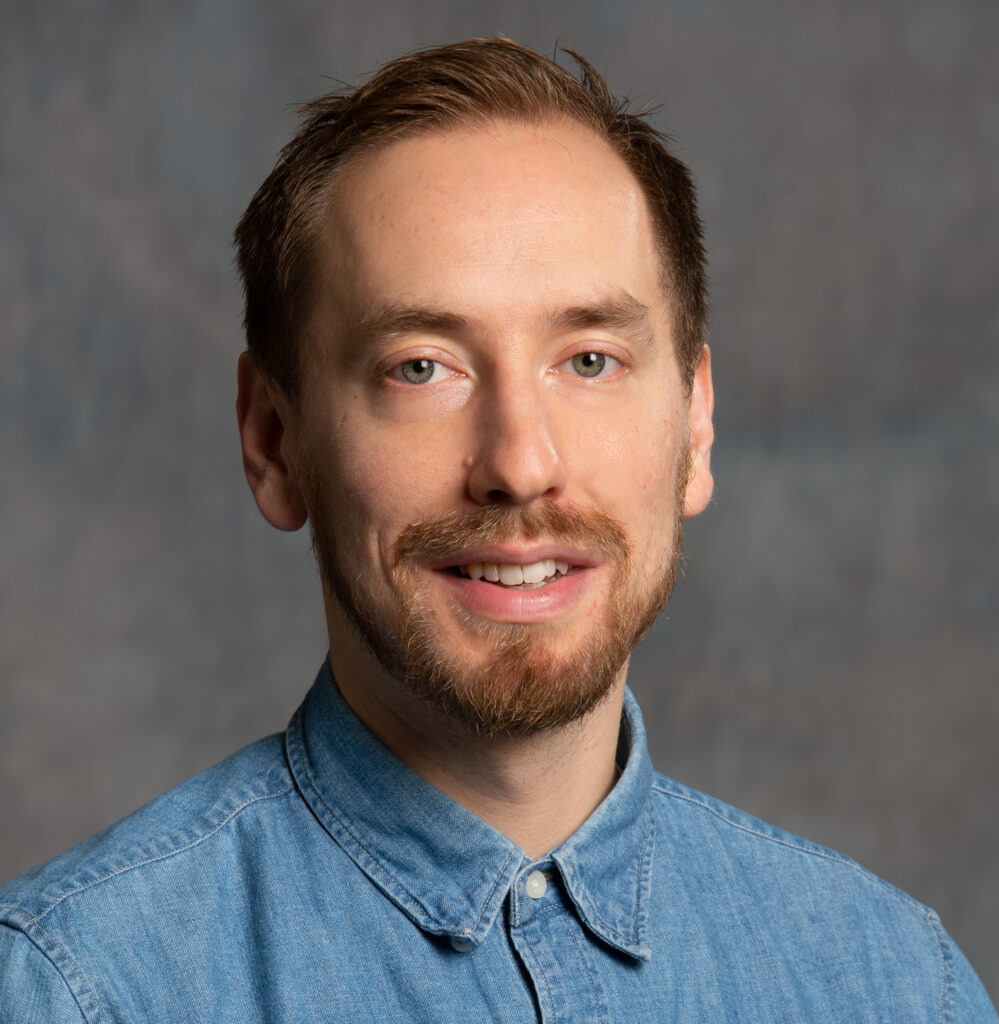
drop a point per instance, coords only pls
(504, 230)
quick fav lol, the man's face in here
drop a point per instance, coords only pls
(490, 390)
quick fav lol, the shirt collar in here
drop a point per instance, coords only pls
(447, 869)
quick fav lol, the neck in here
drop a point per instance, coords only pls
(536, 790)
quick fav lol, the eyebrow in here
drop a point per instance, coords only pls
(617, 312)
(395, 319)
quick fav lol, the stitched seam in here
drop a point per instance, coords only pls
(595, 982)
(557, 912)
(375, 862)
(84, 984)
(946, 971)
(164, 856)
(488, 899)
(900, 897)
(943, 983)
(541, 981)
(301, 774)
(641, 879)
(295, 747)
(594, 913)
(590, 907)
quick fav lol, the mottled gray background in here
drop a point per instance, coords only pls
(829, 661)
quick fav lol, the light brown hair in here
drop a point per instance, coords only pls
(468, 83)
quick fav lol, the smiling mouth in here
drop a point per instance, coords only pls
(519, 577)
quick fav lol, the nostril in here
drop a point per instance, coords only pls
(499, 497)
(515, 469)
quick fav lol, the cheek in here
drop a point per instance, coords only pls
(384, 483)
(634, 465)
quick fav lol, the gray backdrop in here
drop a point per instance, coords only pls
(829, 661)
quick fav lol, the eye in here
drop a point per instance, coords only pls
(593, 364)
(418, 371)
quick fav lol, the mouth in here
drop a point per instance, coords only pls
(530, 576)
(501, 583)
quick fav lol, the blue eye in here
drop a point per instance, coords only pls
(418, 371)
(588, 364)
(594, 364)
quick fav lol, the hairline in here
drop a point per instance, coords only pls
(323, 196)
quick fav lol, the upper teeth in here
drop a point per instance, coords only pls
(514, 575)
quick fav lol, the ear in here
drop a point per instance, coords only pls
(263, 414)
(702, 434)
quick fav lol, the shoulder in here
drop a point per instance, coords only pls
(178, 822)
(853, 936)
(147, 883)
(723, 832)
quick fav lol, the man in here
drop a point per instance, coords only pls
(475, 312)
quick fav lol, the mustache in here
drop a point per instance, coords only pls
(445, 535)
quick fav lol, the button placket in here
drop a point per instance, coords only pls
(551, 941)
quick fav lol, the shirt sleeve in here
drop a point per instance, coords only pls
(32, 991)
(964, 992)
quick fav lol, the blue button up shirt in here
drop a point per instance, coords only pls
(313, 877)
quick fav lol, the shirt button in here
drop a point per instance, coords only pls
(535, 885)
(461, 945)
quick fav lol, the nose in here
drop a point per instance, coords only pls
(516, 458)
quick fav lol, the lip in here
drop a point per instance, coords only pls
(509, 604)
(521, 555)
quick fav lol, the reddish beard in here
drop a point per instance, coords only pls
(522, 686)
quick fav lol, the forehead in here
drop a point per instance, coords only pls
(504, 214)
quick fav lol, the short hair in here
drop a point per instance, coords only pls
(464, 84)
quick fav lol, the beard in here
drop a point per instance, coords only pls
(523, 684)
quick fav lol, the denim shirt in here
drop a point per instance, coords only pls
(313, 877)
